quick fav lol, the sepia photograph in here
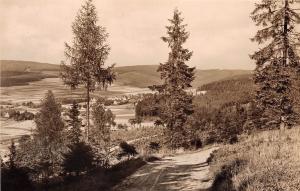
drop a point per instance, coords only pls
(150, 95)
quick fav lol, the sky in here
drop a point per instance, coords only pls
(220, 30)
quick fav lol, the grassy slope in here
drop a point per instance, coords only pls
(265, 161)
(137, 76)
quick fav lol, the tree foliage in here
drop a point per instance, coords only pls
(87, 55)
(49, 136)
(277, 60)
(176, 76)
(79, 159)
(74, 123)
(14, 177)
(103, 120)
(126, 150)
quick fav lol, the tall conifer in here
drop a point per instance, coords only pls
(277, 60)
(49, 136)
(176, 76)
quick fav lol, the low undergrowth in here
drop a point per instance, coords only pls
(103, 179)
(265, 161)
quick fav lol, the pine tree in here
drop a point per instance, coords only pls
(74, 123)
(176, 76)
(49, 136)
(80, 156)
(277, 61)
(253, 118)
(87, 55)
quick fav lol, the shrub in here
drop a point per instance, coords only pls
(126, 150)
(154, 146)
(78, 159)
(223, 180)
(14, 177)
(122, 126)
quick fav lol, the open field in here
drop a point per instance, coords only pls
(35, 92)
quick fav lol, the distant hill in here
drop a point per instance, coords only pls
(236, 89)
(15, 73)
(21, 66)
(146, 75)
(137, 76)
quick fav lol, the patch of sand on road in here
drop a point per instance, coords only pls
(182, 172)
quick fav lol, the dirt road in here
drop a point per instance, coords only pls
(182, 172)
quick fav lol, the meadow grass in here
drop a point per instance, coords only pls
(264, 161)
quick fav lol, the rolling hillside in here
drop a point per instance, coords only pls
(14, 73)
(236, 89)
(146, 75)
(21, 66)
(22, 72)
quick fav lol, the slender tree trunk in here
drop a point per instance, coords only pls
(285, 52)
(88, 111)
(285, 34)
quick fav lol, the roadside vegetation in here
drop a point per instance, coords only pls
(266, 160)
(268, 157)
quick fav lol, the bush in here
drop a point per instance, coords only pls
(154, 146)
(223, 180)
(122, 126)
(78, 159)
(126, 150)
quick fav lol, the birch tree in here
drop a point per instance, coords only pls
(86, 56)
